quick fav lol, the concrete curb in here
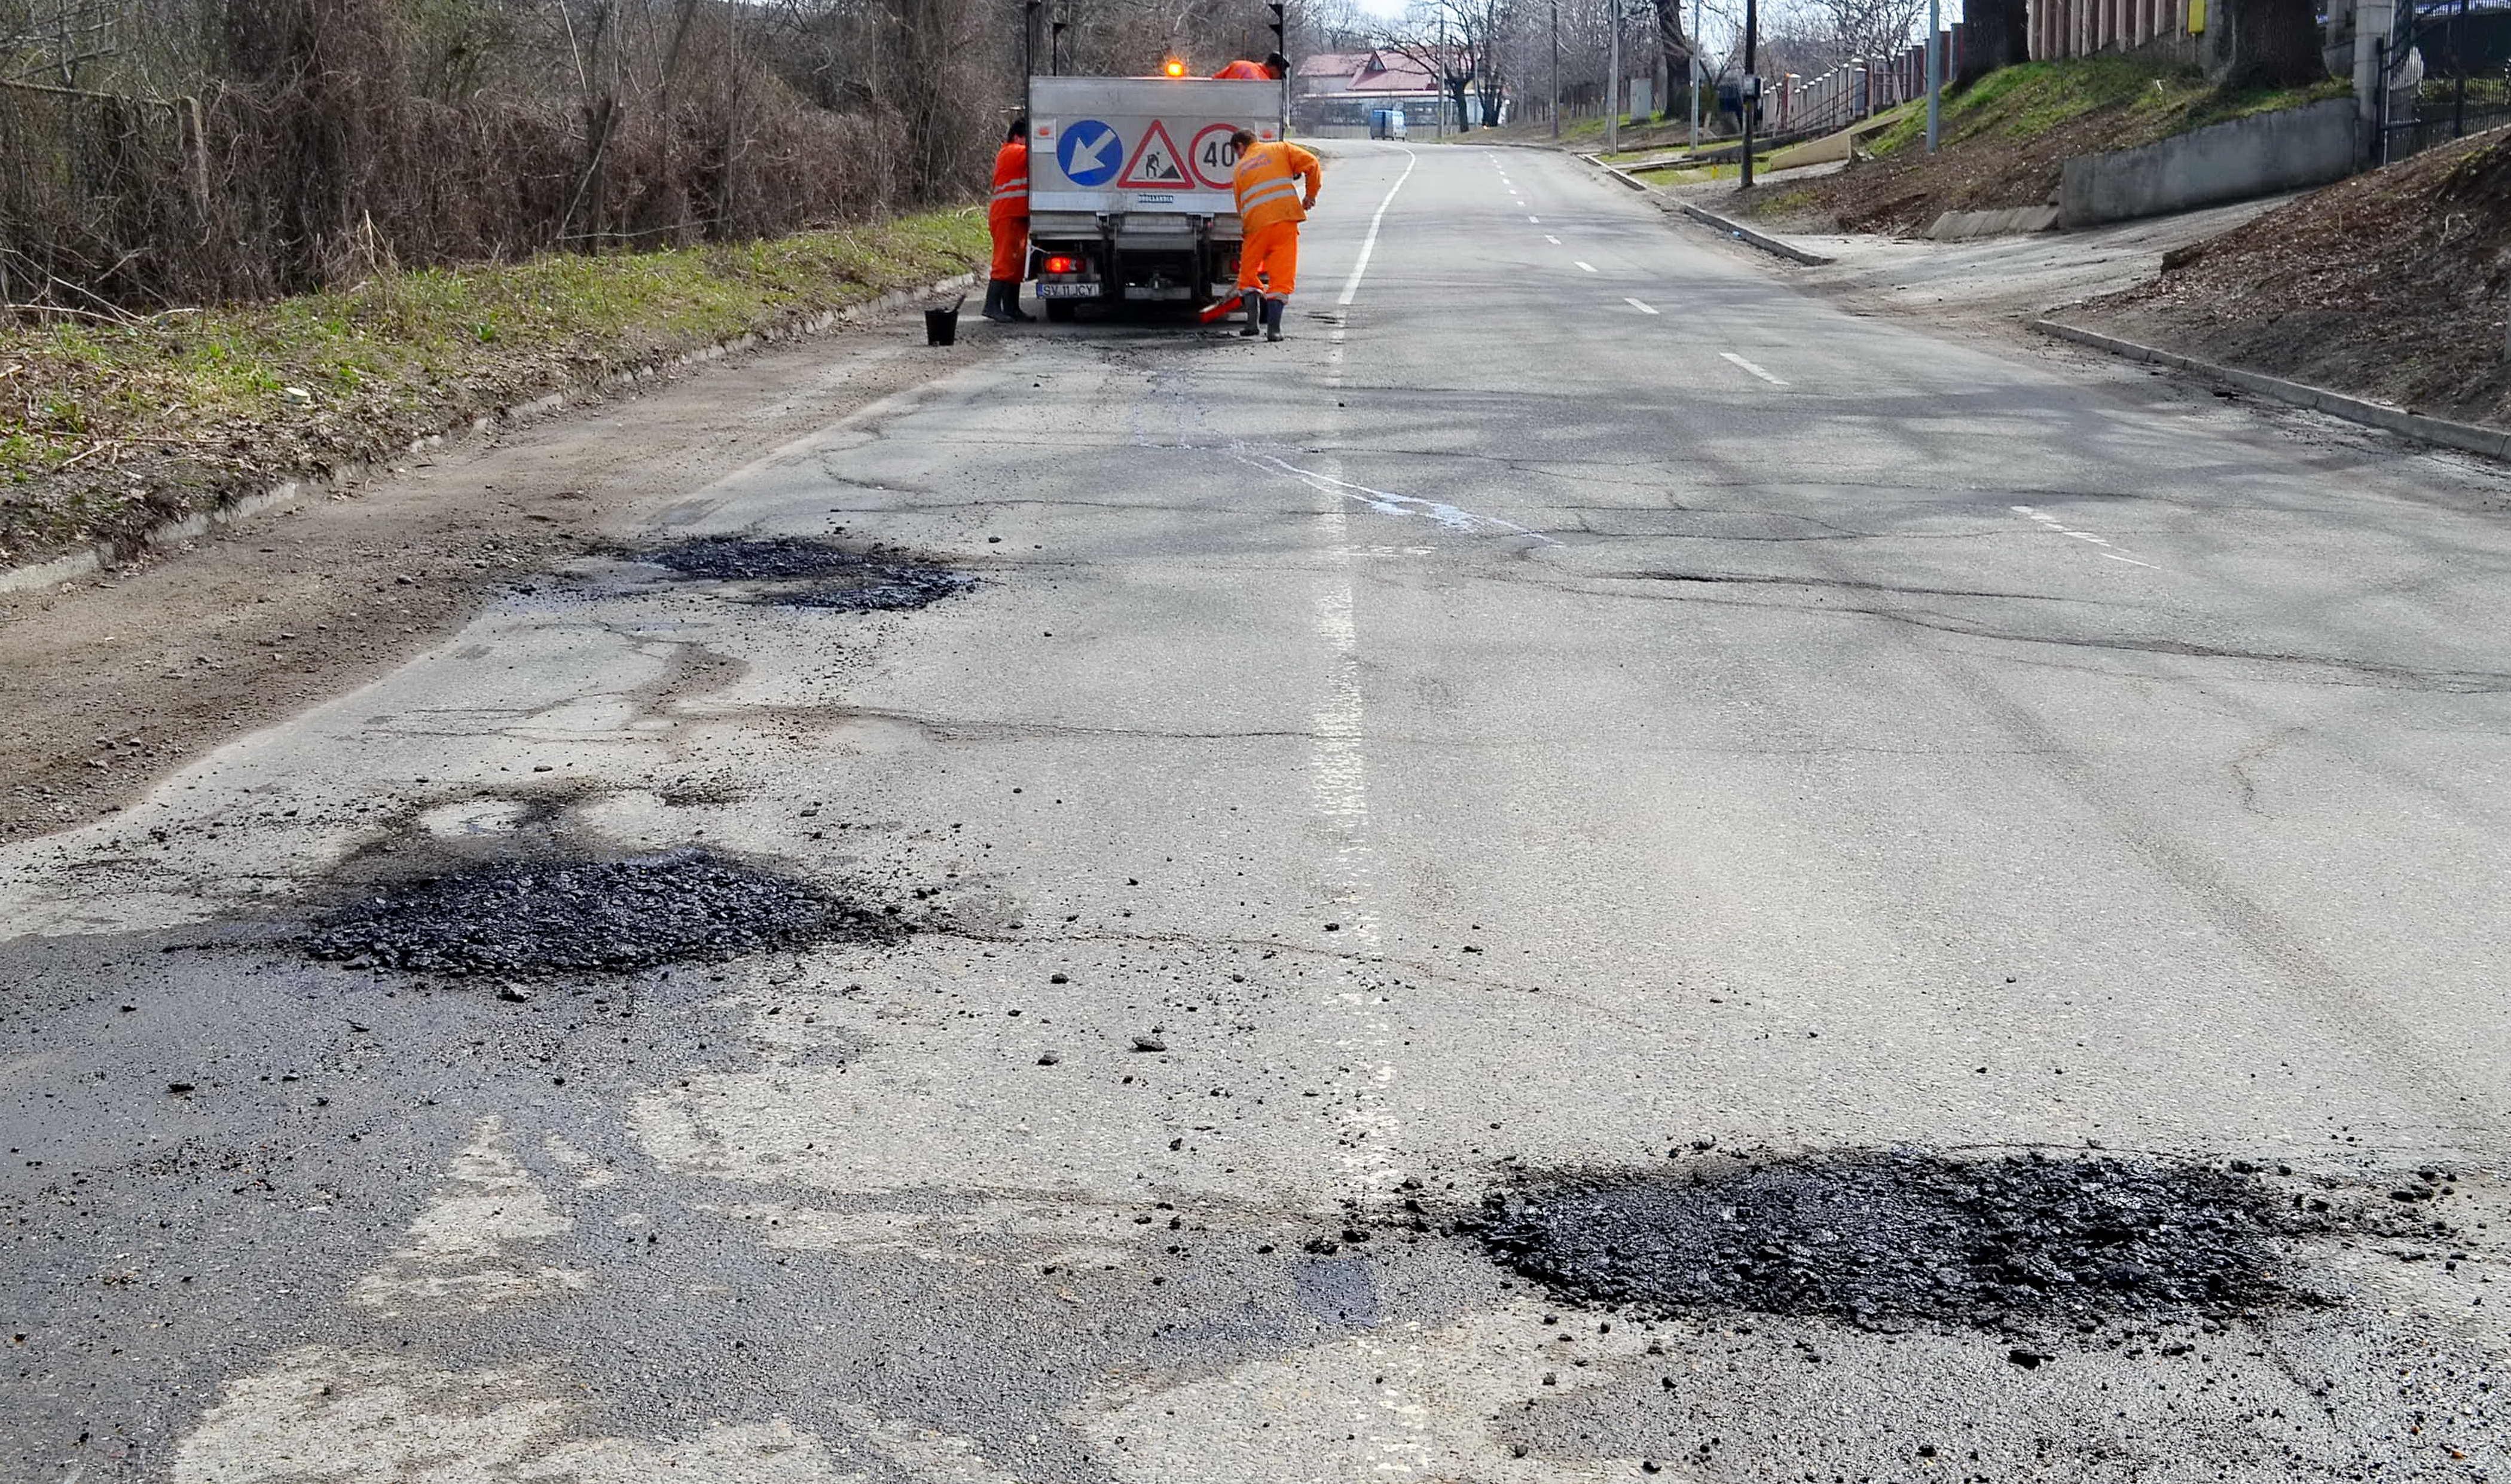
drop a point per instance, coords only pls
(1664, 203)
(288, 493)
(1761, 239)
(2474, 437)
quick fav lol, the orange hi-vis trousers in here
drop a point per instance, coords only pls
(1011, 246)
(1269, 260)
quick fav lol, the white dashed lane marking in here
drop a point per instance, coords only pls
(2064, 529)
(1590, 266)
(1750, 367)
(1640, 305)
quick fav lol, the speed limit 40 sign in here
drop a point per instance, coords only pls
(1213, 158)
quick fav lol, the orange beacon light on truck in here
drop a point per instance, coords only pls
(1173, 67)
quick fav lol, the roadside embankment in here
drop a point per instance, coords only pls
(112, 426)
(2003, 144)
(2391, 285)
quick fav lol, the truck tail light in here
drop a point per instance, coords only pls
(1063, 265)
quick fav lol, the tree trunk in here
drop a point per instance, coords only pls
(2271, 44)
(1673, 55)
(1998, 34)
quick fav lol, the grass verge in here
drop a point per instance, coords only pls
(108, 429)
(2148, 100)
(2005, 139)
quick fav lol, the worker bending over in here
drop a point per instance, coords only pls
(1007, 213)
(1270, 209)
(1274, 68)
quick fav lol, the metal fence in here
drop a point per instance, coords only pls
(2449, 78)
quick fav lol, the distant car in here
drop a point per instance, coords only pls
(1386, 124)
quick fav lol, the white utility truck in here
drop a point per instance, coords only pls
(1129, 186)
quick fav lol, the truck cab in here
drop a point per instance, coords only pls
(1130, 191)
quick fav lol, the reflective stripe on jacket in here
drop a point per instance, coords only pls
(1011, 180)
(1268, 185)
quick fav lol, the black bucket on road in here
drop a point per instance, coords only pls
(941, 326)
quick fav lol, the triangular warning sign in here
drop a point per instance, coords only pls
(1156, 165)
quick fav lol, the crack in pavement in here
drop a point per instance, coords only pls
(1847, 583)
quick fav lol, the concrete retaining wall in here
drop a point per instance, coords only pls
(2288, 150)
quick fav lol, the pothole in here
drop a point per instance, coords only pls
(814, 574)
(1881, 1239)
(552, 916)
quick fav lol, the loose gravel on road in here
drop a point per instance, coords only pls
(1888, 1237)
(562, 916)
(875, 580)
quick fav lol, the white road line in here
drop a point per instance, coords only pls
(1750, 367)
(1535, 218)
(2063, 529)
(1590, 266)
(1548, 238)
(1368, 243)
(1642, 308)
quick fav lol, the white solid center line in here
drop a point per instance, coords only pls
(1590, 266)
(1750, 367)
(1637, 305)
(1368, 243)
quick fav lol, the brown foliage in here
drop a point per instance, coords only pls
(308, 141)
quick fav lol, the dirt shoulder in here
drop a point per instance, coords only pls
(112, 426)
(2391, 285)
(109, 684)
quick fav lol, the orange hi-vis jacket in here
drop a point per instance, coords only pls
(1244, 70)
(1268, 185)
(1011, 182)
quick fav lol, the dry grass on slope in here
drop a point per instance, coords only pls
(2391, 286)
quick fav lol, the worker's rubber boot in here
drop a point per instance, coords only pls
(1273, 318)
(995, 309)
(1011, 304)
(1252, 301)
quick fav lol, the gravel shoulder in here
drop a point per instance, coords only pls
(112, 682)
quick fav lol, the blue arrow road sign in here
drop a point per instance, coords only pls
(1090, 153)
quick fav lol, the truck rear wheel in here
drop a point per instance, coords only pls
(1060, 310)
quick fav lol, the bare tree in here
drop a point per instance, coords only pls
(1459, 42)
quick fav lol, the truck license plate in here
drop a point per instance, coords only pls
(1068, 290)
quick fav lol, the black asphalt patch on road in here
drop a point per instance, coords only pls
(556, 916)
(1885, 1239)
(814, 574)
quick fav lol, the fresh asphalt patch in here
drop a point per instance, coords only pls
(809, 573)
(572, 915)
(1888, 1239)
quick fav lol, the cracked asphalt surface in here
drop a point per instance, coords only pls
(1498, 738)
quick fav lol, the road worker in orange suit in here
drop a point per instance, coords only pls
(1270, 209)
(1273, 68)
(1007, 213)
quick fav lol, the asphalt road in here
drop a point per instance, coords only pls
(1579, 699)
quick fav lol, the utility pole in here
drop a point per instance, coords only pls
(1748, 88)
(1555, 71)
(1440, 130)
(1613, 87)
(1935, 70)
(1696, 74)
